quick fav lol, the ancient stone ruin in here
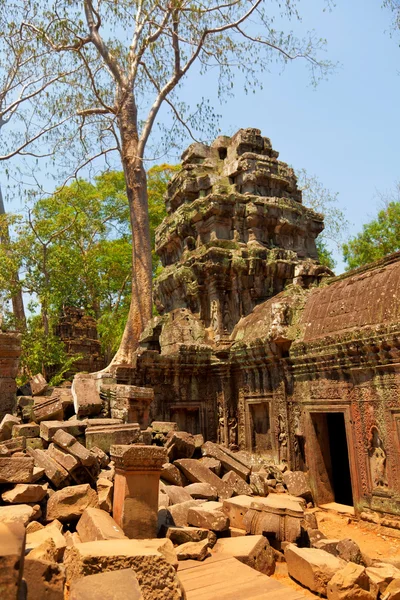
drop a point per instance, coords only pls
(264, 397)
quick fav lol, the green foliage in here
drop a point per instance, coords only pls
(325, 256)
(379, 237)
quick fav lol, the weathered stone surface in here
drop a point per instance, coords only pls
(203, 491)
(44, 580)
(259, 484)
(9, 447)
(312, 568)
(212, 463)
(69, 443)
(236, 509)
(164, 426)
(381, 574)
(38, 385)
(209, 515)
(16, 469)
(69, 503)
(183, 535)
(393, 589)
(51, 532)
(327, 544)
(12, 549)
(23, 493)
(237, 483)
(114, 585)
(48, 409)
(193, 550)
(29, 430)
(6, 426)
(99, 455)
(171, 474)
(49, 428)
(163, 500)
(252, 550)
(86, 396)
(63, 458)
(109, 435)
(278, 514)
(198, 473)
(46, 551)
(157, 577)
(54, 472)
(349, 551)
(177, 494)
(180, 444)
(19, 513)
(350, 583)
(176, 514)
(105, 490)
(297, 484)
(230, 464)
(96, 524)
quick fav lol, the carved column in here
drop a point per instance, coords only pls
(137, 475)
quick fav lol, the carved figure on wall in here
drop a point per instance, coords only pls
(232, 426)
(282, 440)
(221, 426)
(377, 460)
(214, 315)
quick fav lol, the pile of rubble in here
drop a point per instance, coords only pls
(64, 531)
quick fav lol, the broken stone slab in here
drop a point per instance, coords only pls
(193, 550)
(49, 428)
(171, 474)
(311, 567)
(238, 484)
(381, 574)
(24, 493)
(63, 458)
(12, 551)
(70, 444)
(45, 551)
(105, 489)
(156, 576)
(24, 408)
(180, 444)
(297, 484)
(54, 472)
(100, 456)
(35, 443)
(112, 435)
(393, 590)
(259, 484)
(9, 447)
(236, 509)
(252, 550)
(7, 425)
(229, 464)
(209, 515)
(164, 426)
(327, 544)
(16, 469)
(195, 472)
(212, 463)
(177, 494)
(202, 491)
(114, 585)
(50, 532)
(163, 499)
(349, 551)
(96, 524)
(183, 535)
(44, 579)
(175, 515)
(278, 515)
(48, 409)
(69, 503)
(28, 430)
(38, 385)
(350, 583)
(86, 396)
(18, 513)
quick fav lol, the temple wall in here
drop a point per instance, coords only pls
(10, 351)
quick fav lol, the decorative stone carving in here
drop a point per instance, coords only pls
(377, 460)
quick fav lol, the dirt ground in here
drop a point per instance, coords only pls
(373, 540)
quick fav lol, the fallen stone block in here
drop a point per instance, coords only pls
(311, 567)
(259, 484)
(9, 447)
(163, 499)
(69, 503)
(25, 408)
(252, 550)
(278, 515)
(7, 425)
(381, 574)
(350, 583)
(229, 464)
(156, 576)
(46, 551)
(44, 580)
(38, 385)
(28, 430)
(211, 463)
(63, 458)
(100, 456)
(49, 428)
(72, 539)
(202, 491)
(164, 426)
(349, 551)
(70, 444)
(236, 509)
(327, 544)
(177, 494)
(12, 551)
(50, 532)
(193, 550)
(23, 493)
(96, 524)
(35, 443)
(86, 396)
(18, 513)
(48, 409)
(238, 484)
(180, 444)
(171, 474)
(183, 535)
(105, 489)
(114, 585)
(112, 435)
(209, 515)
(54, 472)
(195, 472)
(176, 514)
(297, 484)
(393, 590)
(16, 469)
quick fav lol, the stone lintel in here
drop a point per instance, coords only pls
(138, 458)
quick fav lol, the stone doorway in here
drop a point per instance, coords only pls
(329, 464)
(187, 419)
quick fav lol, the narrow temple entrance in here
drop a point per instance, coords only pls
(187, 419)
(331, 472)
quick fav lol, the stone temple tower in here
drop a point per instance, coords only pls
(236, 232)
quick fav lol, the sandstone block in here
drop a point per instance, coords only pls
(54, 472)
(18, 513)
(237, 483)
(35, 443)
(156, 576)
(381, 574)
(63, 458)
(115, 585)
(16, 469)
(105, 489)
(12, 550)
(100, 456)
(176, 514)
(228, 462)
(171, 474)
(350, 583)
(177, 494)
(180, 444)
(70, 444)
(259, 484)
(29, 430)
(163, 499)
(212, 463)
(349, 551)
(44, 580)
(24, 493)
(183, 535)
(202, 491)
(50, 532)
(7, 425)
(311, 567)
(164, 426)
(86, 396)
(198, 473)
(278, 515)
(48, 409)
(38, 385)
(236, 509)
(106, 436)
(329, 545)
(49, 428)
(96, 524)
(393, 589)
(209, 515)
(297, 484)
(69, 503)
(9, 447)
(252, 550)
(193, 550)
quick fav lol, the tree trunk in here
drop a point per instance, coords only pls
(16, 298)
(140, 310)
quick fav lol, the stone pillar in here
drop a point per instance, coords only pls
(137, 475)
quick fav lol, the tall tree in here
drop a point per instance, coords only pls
(129, 59)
